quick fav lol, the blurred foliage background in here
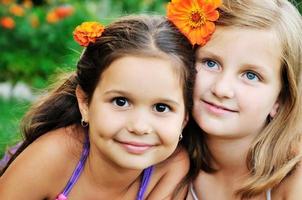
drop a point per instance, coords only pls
(36, 36)
(36, 43)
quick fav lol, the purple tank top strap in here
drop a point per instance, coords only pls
(147, 173)
(77, 172)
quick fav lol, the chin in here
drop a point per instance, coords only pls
(212, 129)
(134, 164)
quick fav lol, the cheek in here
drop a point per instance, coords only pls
(105, 122)
(258, 104)
(202, 83)
(169, 131)
(198, 86)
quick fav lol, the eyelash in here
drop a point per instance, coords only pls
(162, 104)
(205, 62)
(126, 101)
(114, 101)
(255, 74)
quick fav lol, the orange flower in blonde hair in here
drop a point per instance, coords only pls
(194, 18)
(87, 33)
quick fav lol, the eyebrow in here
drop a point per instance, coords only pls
(206, 54)
(114, 91)
(127, 94)
(261, 69)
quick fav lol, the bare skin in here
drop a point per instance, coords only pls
(26, 177)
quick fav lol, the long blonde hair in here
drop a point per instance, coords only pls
(274, 153)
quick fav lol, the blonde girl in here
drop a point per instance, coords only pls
(247, 104)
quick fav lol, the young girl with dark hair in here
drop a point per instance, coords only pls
(111, 130)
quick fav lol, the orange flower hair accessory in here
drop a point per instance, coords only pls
(87, 33)
(194, 18)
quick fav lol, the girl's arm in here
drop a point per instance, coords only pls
(167, 175)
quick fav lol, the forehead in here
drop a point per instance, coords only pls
(143, 72)
(172, 61)
(245, 38)
(245, 45)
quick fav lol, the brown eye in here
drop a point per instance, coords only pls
(120, 101)
(160, 107)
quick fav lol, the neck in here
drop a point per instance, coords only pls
(229, 154)
(229, 158)
(109, 177)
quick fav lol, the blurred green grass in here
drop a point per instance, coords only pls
(11, 114)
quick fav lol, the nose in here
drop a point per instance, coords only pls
(223, 86)
(140, 123)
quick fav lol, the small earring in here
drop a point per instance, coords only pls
(180, 137)
(269, 118)
(83, 123)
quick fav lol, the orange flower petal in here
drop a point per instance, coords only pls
(210, 28)
(87, 33)
(217, 3)
(213, 16)
(194, 18)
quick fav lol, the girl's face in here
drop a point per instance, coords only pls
(238, 82)
(137, 112)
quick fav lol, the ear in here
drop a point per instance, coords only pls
(185, 120)
(82, 102)
(274, 110)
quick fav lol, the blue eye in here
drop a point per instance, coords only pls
(252, 76)
(160, 107)
(210, 64)
(120, 101)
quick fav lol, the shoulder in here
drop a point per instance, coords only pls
(43, 167)
(177, 164)
(169, 174)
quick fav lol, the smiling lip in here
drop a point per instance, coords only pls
(135, 147)
(216, 109)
